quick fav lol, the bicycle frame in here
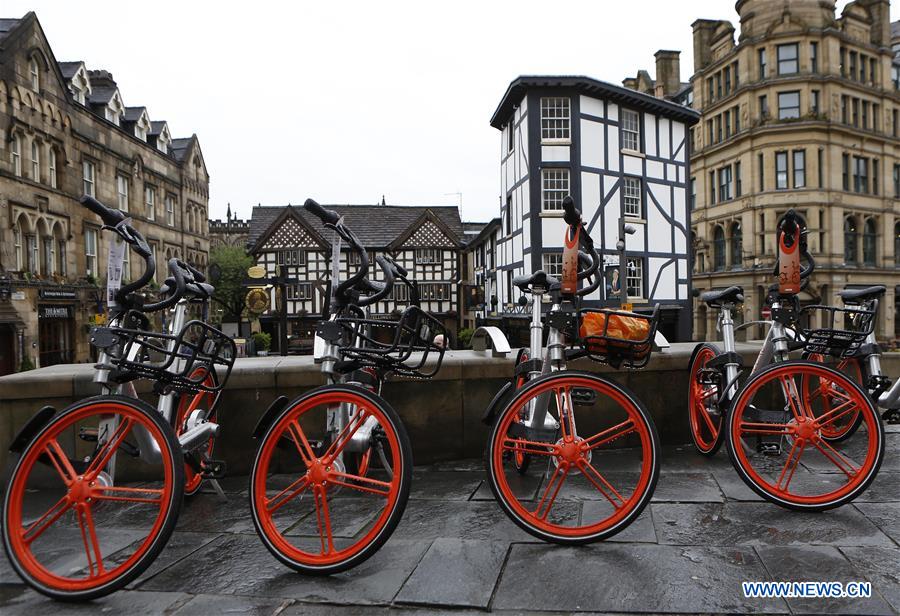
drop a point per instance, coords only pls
(553, 359)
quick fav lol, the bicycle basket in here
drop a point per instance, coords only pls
(844, 329)
(179, 362)
(404, 346)
(617, 337)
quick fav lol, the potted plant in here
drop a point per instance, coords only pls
(262, 342)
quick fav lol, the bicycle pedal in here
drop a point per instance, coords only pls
(769, 449)
(88, 435)
(583, 397)
(213, 469)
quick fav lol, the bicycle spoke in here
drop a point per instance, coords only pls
(529, 447)
(89, 537)
(129, 495)
(584, 467)
(845, 465)
(749, 427)
(299, 438)
(372, 486)
(60, 462)
(836, 413)
(791, 463)
(37, 528)
(322, 515)
(356, 421)
(289, 493)
(610, 434)
(707, 419)
(788, 387)
(554, 485)
(109, 448)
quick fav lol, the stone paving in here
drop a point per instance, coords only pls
(455, 552)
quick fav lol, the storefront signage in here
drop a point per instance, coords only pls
(54, 312)
(18, 295)
(56, 294)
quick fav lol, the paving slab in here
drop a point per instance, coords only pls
(631, 578)
(524, 487)
(241, 565)
(444, 485)
(208, 513)
(180, 545)
(687, 487)
(639, 531)
(881, 566)
(429, 520)
(686, 459)
(733, 487)
(761, 524)
(19, 601)
(456, 572)
(820, 563)
(885, 489)
(886, 516)
(223, 605)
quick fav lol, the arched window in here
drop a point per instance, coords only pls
(35, 161)
(15, 153)
(35, 70)
(870, 242)
(719, 248)
(897, 243)
(17, 242)
(51, 167)
(850, 240)
(737, 246)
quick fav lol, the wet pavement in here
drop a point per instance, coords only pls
(455, 552)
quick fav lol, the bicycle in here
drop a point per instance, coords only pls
(767, 421)
(329, 443)
(609, 461)
(845, 349)
(71, 458)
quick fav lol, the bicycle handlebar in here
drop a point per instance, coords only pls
(177, 269)
(381, 288)
(789, 223)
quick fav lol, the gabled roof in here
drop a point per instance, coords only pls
(486, 229)
(133, 114)
(68, 69)
(377, 226)
(593, 87)
(6, 25)
(289, 212)
(180, 147)
(101, 95)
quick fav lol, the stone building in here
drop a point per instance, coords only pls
(66, 131)
(801, 110)
(230, 232)
(479, 268)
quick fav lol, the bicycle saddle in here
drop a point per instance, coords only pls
(538, 279)
(731, 295)
(861, 295)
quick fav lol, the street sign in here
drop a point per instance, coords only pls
(257, 271)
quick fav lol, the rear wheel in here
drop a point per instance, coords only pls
(705, 414)
(315, 512)
(62, 512)
(187, 404)
(521, 460)
(817, 391)
(599, 454)
(777, 444)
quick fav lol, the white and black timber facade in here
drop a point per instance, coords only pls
(424, 240)
(619, 153)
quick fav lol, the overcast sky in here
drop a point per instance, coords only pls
(348, 101)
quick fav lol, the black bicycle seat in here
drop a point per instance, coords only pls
(540, 279)
(861, 295)
(731, 295)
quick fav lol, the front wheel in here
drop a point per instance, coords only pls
(315, 512)
(777, 437)
(187, 404)
(599, 451)
(854, 368)
(705, 409)
(62, 511)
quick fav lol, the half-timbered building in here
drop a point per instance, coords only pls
(424, 240)
(620, 154)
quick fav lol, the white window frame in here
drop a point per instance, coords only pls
(150, 202)
(552, 264)
(35, 161)
(400, 293)
(15, 153)
(556, 119)
(32, 254)
(555, 186)
(429, 256)
(299, 292)
(632, 197)
(638, 265)
(170, 210)
(17, 243)
(122, 192)
(298, 257)
(438, 288)
(91, 248)
(88, 178)
(51, 161)
(631, 130)
(35, 74)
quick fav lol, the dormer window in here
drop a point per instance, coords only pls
(115, 109)
(163, 141)
(142, 126)
(35, 74)
(80, 85)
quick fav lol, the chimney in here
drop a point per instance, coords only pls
(880, 12)
(703, 31)
(668, 71)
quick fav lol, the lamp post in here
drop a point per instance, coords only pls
(624, 230)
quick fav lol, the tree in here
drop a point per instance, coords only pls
(232, 262)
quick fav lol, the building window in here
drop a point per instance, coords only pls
(787, 59)
(718, 85)
(510, 135)
(632, 198)
(51, 159)
(631, 130)
(814, 102)
(434, 291)
(761, 54)
(150, 202)
(299, 292)
(35, 161)
(17, 244)
(298, 257)
(820, 167)
(738, 189)
(875, 176)
(853, 65)
(781, 170)
(47, 256)
(555, 119)
(845, 171)
(634, 277)
(850, 240)
(860, 175)
(727, 77)
(763, 107)
(814, 57)
(712, 187)
(693, 193)
(35, 74)
(735, 114)
(122, 192)
(896, 181)
(31, 253)
(719, 248)
(799, 168)
(16, 155)
(555, 188)
(428, 256)
(737, 246)
(552, 264)
(788, 105)
(897, 243)
(400, 293)
(90, 251)
(509, 214)
(725, 183)
(170, 211)
(61, 257)
(870, 241)
(87, 175)
(761, 165)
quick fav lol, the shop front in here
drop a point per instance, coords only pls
(56, 326)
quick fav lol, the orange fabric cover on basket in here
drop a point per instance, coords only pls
(620, 326)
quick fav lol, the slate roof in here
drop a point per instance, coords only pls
(486, 229)
(156, 127)
(101, 95)
(375, 225)
(6, 25)
(68, 69)
(179, 147)
(133, 114)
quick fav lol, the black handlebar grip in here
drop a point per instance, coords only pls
(572, 214)
(329, 217)
(388, 270)
(109, 216)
